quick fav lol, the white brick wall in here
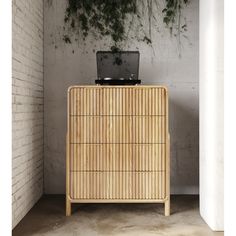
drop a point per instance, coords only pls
(27, 107)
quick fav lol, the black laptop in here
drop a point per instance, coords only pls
(117, 68)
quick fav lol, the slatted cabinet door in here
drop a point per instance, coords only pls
(117, 144)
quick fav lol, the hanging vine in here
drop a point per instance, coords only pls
(115, 18)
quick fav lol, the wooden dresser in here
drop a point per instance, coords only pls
(117, 145)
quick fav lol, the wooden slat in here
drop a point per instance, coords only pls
(141, 132)
(111, 95)
(138, 157)
(107, 182)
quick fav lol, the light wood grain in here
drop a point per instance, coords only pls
(117, 145)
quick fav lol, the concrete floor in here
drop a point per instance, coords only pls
(47, 218)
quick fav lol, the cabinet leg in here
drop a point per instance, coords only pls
(68, 207)
(167, 207)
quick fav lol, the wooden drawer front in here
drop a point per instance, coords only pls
(117, 129)
(116, 157)
(117, 185)
(117, 101)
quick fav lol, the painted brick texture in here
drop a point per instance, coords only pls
(27, 107)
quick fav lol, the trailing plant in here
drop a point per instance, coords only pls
(116, 18)
(172, 16)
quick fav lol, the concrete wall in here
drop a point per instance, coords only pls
(27, 107)
(212, 113)
(159, 65)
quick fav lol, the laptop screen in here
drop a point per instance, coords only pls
(117, 65)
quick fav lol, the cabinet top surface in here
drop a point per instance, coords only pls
(118, 86)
